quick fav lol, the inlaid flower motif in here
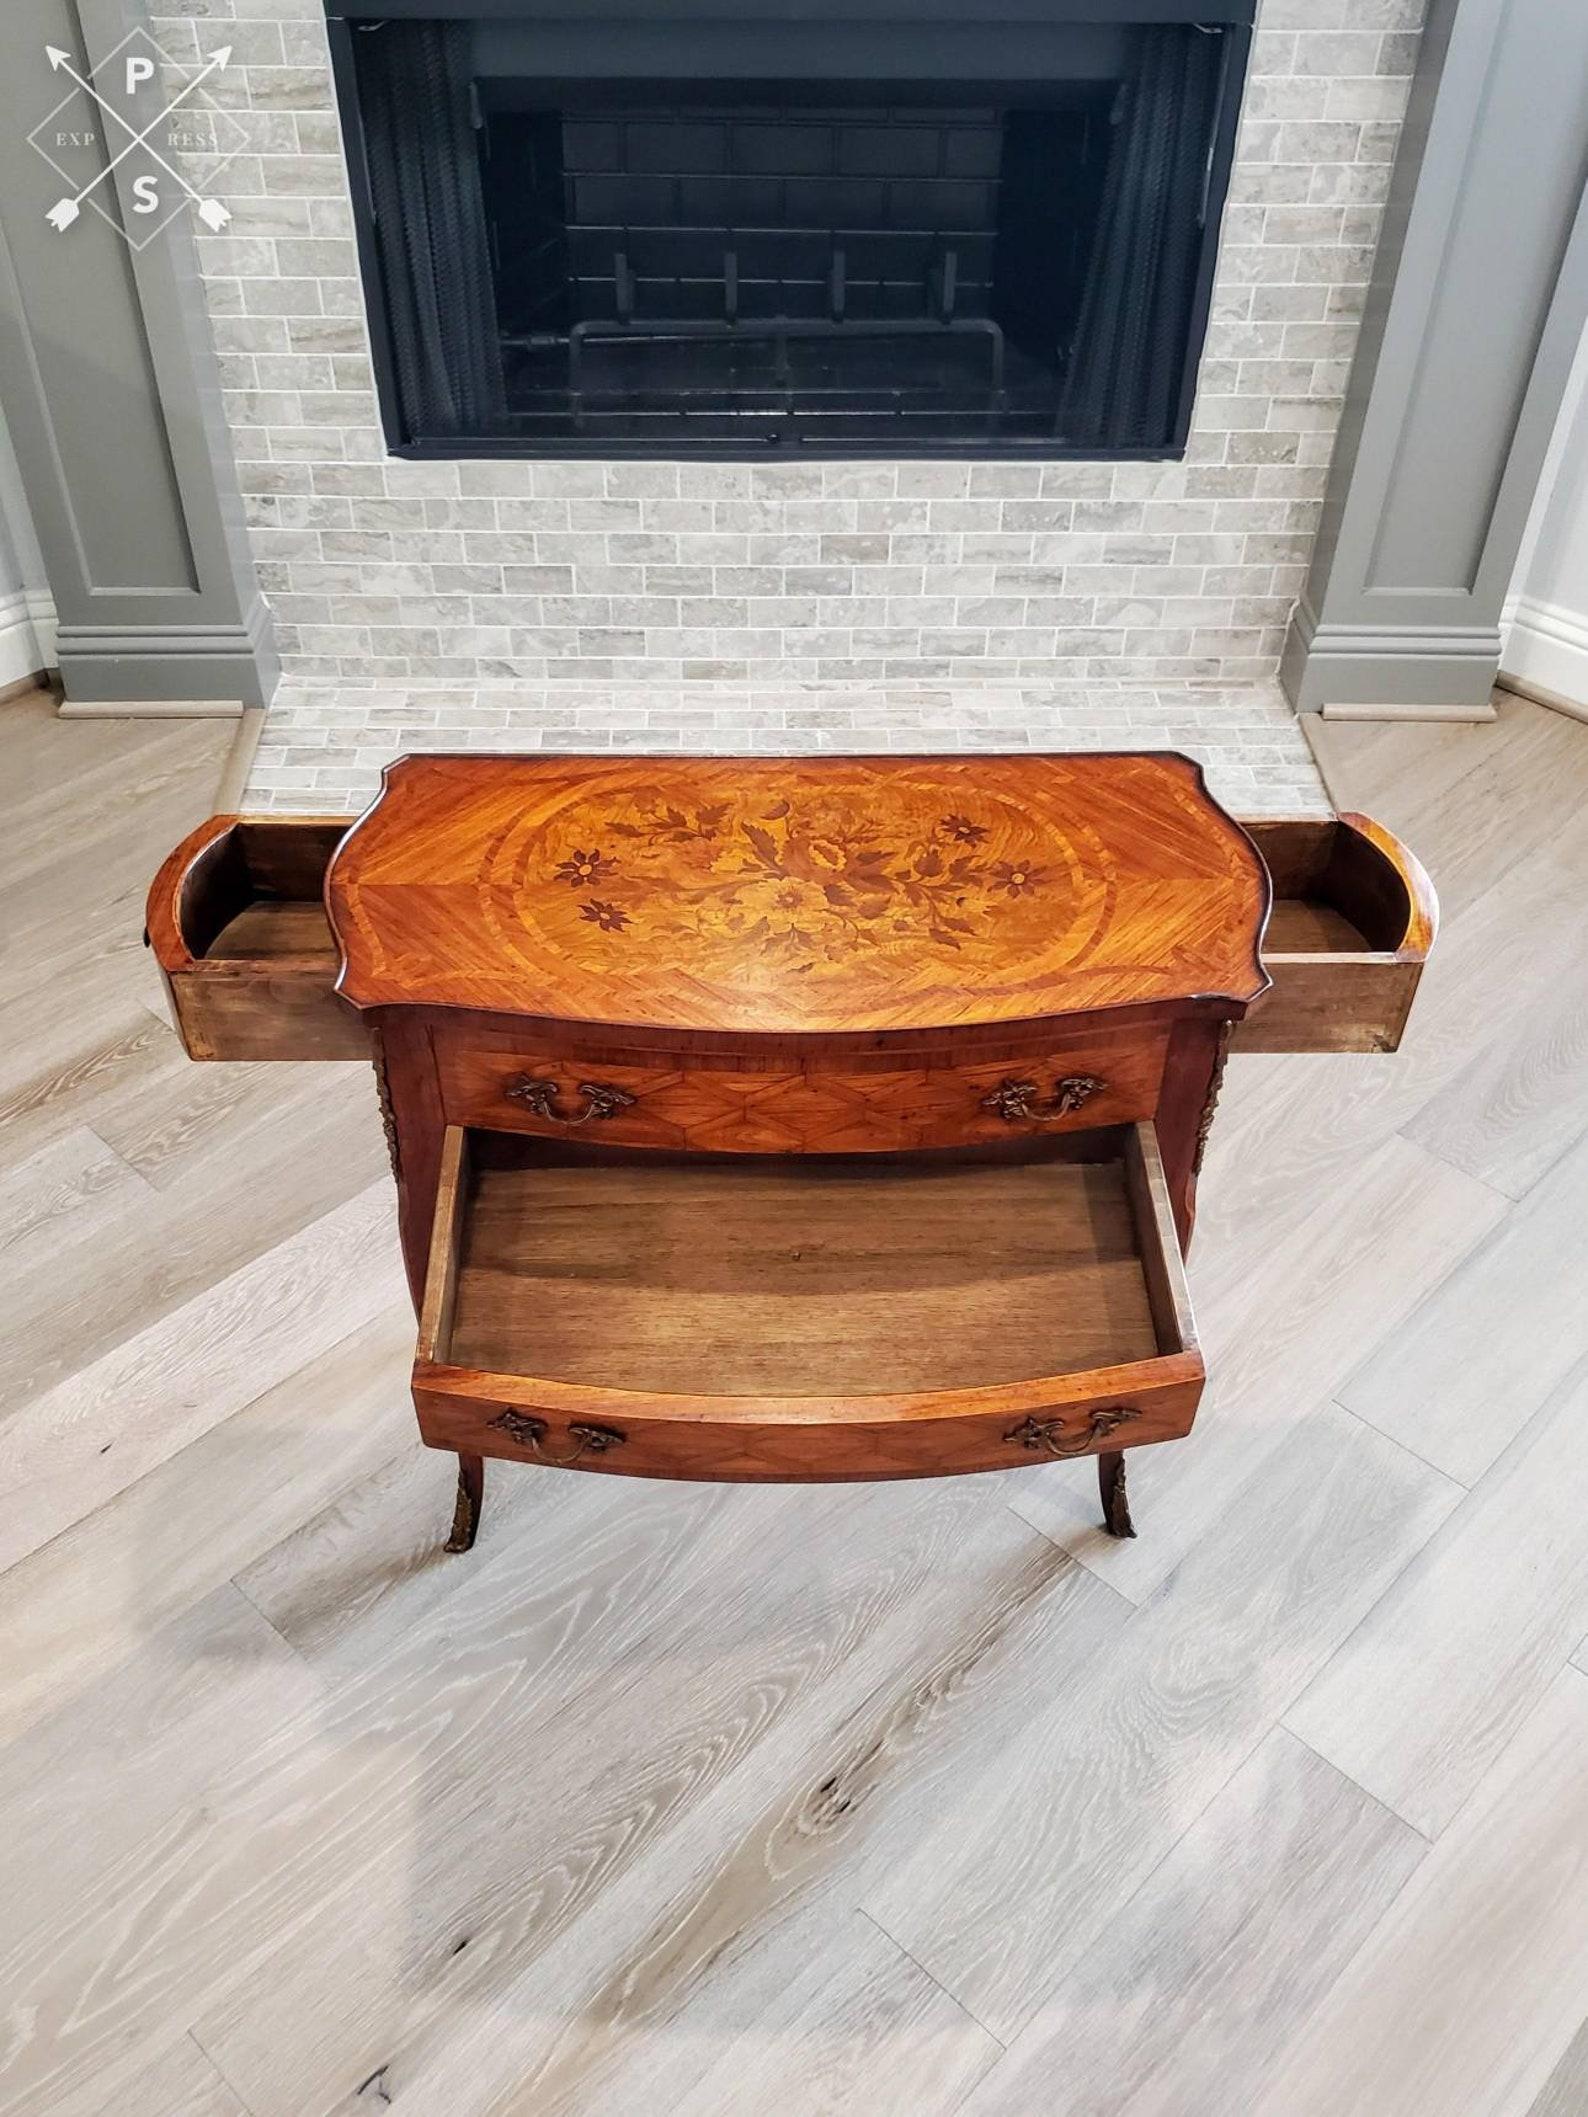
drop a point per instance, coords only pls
(581, 869)
(611, 918)
(663, 823)
(963, 829)
(1016, 878)
(809, 885)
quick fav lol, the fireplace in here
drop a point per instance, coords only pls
(634, 235)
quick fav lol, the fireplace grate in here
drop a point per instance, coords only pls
(783, 275)
(769, 372)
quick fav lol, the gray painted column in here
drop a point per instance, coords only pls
(1479, 299)
(112, 396)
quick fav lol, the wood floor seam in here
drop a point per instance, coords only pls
(1082, 1550)
(116, 1155)
(1567, 1671)
(894, 1942)
(1549, 1169)
(244, 2108)
(234, 1582)
(1483, 2032)
(1397, 1441)
(1366, 1792)
(1512, 1198)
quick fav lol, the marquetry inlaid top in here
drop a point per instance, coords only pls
(797, 895)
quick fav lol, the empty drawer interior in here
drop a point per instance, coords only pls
(1352, 921)
(761, 1276)
(258, 894)
(1335, 891)
(238, 924)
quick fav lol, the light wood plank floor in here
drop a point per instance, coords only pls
(688, 1802)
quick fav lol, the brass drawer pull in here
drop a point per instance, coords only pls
(531, 1434)
(1047, 1436)
(600, 1100)
(1016, 1101)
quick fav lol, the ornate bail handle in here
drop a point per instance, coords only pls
(531, 1434)
(1016, 1101)
(1047, 1436)
(600, 1100)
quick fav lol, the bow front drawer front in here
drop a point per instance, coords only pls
(700, 1316)
(781, 1107)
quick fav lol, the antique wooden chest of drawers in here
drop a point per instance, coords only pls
(804, 1118)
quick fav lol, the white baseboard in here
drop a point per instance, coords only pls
(27, 635)
(1546, 654)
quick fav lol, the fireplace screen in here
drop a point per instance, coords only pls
(742, 266)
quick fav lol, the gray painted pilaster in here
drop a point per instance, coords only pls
(112, 396)
(1478, 301)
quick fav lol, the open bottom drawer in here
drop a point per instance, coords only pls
(831, 1317)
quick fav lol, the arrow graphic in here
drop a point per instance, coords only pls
(66, 210)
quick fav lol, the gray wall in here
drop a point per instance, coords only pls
(1479, 297)
(109, 389)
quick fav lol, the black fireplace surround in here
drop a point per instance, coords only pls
(888, 228)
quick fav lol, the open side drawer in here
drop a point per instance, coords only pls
(1353, 920)
(237, 922)
(828, 1317)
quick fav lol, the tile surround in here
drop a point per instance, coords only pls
(805, 583)
(323, 744)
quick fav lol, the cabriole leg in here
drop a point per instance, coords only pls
(1116, 1501)
(471, 1496)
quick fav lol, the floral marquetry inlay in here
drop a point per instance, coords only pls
(809, 883)
(799, 893)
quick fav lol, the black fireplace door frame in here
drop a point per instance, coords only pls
(885, 18)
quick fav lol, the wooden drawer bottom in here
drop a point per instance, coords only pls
(733, 1318)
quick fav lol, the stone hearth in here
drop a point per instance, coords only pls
(324, 744)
